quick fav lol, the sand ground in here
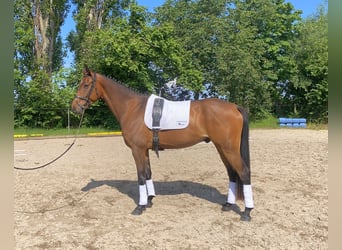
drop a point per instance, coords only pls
(84, 200)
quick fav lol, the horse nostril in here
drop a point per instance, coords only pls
(75, 110)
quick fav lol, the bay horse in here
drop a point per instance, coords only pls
(221, 122)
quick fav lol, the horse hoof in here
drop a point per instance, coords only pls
(227, 207)
(139, 210)
(245, 217)
(149, 202)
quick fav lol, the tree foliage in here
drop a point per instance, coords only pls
(127, 47)
(38, 56)
(311, 92)
(259, 54)
(243, 48)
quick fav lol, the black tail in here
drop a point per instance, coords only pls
(244, 150)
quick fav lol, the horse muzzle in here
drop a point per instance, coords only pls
(77, 107)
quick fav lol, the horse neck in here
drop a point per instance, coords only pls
(116, 96)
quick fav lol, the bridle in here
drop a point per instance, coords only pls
(83, 107)
(86, 98)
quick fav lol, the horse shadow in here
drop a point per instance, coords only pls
(178, 187)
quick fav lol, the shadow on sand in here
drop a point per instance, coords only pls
(195, 189)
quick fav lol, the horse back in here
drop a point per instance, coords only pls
(216, 112)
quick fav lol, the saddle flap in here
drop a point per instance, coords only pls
(173, 115)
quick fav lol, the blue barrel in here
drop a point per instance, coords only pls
(285, 120)
(282, 120)
(292, 122)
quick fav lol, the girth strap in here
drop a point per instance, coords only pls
(157, 112)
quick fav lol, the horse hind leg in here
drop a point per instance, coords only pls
(240, 182)
(232, 188)
(245, 176)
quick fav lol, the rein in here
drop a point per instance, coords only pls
(50, 162)
(79, 126)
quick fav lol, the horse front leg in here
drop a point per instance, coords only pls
(145, 183)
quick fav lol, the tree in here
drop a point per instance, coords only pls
(241, 48)
(195, 28)
(311, 91)
(274, 25)
(256, 53)
(127, 47)
(38, 53)
(47, 17)
(92, 15)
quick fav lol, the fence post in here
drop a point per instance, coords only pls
(68, 121)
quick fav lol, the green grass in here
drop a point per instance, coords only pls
(317, 126)
(57, 132)
(269, 122)
(272, 123)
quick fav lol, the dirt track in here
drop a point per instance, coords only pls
(84, 200)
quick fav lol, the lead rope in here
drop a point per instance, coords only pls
(70, 146)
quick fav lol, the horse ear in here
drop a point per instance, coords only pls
(86, 70)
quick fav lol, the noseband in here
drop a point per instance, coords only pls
(86, 99)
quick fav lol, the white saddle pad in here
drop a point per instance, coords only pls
(175, 115)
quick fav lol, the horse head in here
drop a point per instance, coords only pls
(88, 92)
